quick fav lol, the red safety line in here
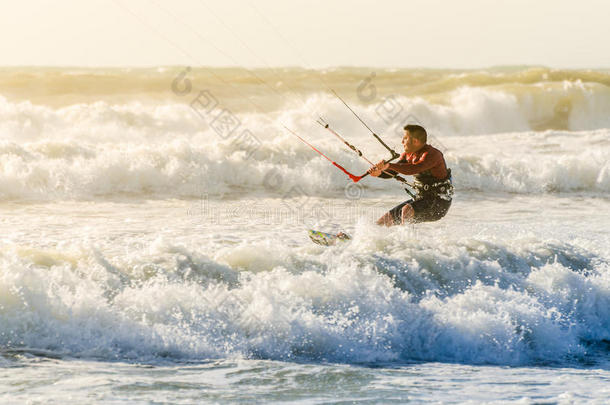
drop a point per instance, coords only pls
(355, 179)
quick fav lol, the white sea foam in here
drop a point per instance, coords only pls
(437, 298)
(97, 150)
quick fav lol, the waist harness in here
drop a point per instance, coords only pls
(428, 186)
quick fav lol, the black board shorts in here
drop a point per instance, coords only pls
(426, 209)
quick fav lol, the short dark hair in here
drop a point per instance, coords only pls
(417, 131)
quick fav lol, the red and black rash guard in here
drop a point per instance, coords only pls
(426, 162)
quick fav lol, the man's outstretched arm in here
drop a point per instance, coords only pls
(387, 174)
(427, 161)
(381, 169)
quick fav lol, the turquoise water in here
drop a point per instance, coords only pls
(263, 381)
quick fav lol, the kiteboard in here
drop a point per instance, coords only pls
(327, 239)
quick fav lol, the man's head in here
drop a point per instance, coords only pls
(415, 138)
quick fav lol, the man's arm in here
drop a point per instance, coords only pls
(388, 174)
(385, 173)
(427, 161)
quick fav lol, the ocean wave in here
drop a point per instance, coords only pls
(169, 151)
(519, 302)
(50, 170)
(481, 101)
(271, 87)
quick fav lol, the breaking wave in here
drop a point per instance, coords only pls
(530, 130)
(437, 298)
(85, 162)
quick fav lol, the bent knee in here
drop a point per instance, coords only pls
(407, 210)
(386, 219)
(407, 214)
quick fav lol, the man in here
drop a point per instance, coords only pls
(432, 180)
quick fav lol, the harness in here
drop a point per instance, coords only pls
(428, 186)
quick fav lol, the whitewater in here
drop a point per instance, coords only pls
(154, 244)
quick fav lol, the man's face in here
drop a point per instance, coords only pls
(410, 144)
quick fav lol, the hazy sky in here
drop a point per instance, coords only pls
(410, 33)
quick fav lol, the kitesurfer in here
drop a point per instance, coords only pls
(432, 180)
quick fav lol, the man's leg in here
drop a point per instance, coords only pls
(386, 219)
(398, 215)
(407, 214)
